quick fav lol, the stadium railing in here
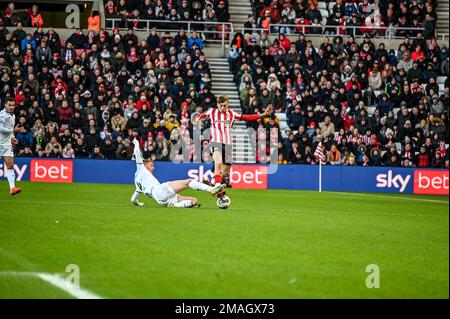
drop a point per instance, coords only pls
(222, 33)
(383, 32)
(444, 37)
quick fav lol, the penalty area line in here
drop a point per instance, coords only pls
(57, 281)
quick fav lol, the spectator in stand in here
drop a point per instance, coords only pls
(34, 17)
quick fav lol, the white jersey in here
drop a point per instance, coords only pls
(144, 180)
(7, 122)
(148, 184)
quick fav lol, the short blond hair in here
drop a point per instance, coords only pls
(222, 99)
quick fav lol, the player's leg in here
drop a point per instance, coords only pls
(180, 185)
(183, 202)
(10, 175)
(218, 157)
(226, 174)
(226, 167)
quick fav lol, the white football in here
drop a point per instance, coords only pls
(223, 202)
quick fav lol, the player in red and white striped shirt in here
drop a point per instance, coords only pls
(222, 120)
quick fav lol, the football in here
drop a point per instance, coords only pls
(223, 202)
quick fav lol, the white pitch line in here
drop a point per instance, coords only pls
(57, 281)
(392, 197)
(61, 283)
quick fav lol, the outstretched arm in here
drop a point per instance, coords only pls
(137, 152)
(254, 117)
(200, 117)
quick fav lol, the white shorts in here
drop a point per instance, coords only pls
(164, 194)
(6, 151)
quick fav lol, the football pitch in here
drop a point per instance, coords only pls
(268, 244)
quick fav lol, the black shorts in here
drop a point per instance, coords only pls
(226, 150)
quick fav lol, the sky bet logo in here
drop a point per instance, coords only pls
(19, 170)
(389, 180)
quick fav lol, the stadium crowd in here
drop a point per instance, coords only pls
(88, 95)
(344, 17)
(133, 13)
(365, 104)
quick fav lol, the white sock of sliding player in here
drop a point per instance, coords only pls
(11, 178)
(183, 204)
(200, 186)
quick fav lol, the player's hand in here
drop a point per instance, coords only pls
(200, 118)
(14, 141)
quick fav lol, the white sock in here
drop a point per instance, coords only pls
(183, 204)
(135, 196)
(11, 177)
(200, 186)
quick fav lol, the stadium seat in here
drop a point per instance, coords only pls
(324, 13)
(441, 79)
(322, 5)
(371, 110)
(281, 116)
(284, 126)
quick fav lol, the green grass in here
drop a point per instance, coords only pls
(268, 244)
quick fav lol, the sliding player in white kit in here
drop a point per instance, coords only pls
(165, 194)
(7, 139)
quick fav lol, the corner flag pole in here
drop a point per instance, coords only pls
(320, 176)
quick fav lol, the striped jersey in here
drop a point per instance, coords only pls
(221, 124)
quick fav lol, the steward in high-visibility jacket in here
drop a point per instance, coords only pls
(94, 21)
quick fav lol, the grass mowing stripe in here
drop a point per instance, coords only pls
(392, 197)
(247, 210)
